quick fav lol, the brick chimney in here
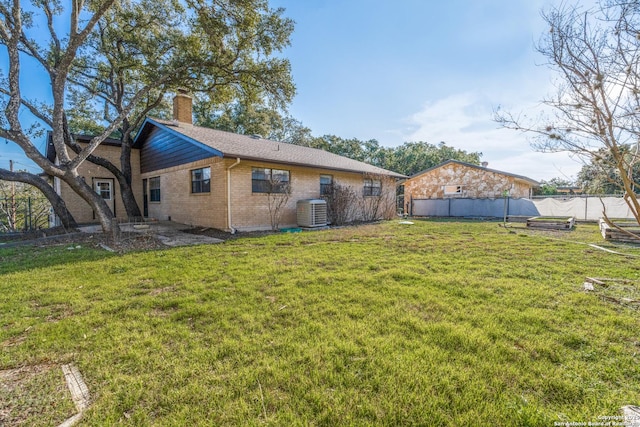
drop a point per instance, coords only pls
(182, 107)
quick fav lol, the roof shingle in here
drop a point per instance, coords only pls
(255, 148)
(471, 165)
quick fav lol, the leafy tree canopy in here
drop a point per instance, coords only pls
(407, 159)
(110, 64)
(550, 187)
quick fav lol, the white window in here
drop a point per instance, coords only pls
(103, 188)
(453, 189)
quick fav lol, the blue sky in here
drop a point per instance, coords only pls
(418, 70)
(424, 70)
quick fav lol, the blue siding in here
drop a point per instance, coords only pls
(163, 149)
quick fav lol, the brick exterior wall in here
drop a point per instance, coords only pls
(250, 210)
(179, 204)
(79, 208)
(475, 183)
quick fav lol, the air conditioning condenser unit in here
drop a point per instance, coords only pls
(312, 213)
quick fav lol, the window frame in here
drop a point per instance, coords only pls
(98, 183)
(265, 185)
(458, 190)
(325, 188)
(155, 194)
(370, 189)
(202, 185)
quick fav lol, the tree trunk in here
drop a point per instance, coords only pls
(101, 209)
(123, 177)
(124, 181)
(129, 201)
(59, 207)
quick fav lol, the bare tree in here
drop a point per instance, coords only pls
(56, 202)
(8, 207)
(278, 195)
(595, 110)
(22, 207)
(340, 203)
(378, 198)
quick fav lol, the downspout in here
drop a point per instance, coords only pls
(229, 225)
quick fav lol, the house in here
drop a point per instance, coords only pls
(453, 179)
(210, 178)
(100, 179)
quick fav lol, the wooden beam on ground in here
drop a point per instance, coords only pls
(79, 393)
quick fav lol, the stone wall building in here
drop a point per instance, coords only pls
(455, 179)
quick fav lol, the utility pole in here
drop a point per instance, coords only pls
(12, 212)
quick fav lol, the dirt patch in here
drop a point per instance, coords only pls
(13, 342)
(13, 377)
(34, 395)
(126, 242)
(34, 234)
(224, 235)
(156, 292)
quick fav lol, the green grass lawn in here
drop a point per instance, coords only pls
(435, 323)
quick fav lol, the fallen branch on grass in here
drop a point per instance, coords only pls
(620, 300)
(589, 283)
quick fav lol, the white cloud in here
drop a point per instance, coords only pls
(465, 121)
(539, 166)
(459, 119)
